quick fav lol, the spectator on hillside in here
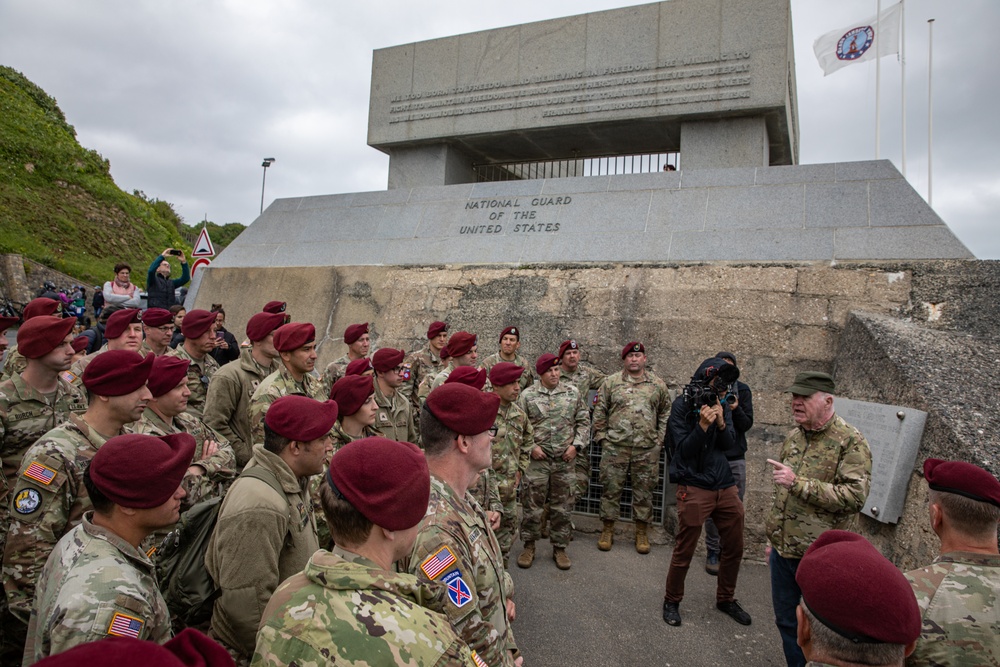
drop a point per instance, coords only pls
(121, 291)
(178, 312)
(98, 302)
(160, 289)
(229, 348)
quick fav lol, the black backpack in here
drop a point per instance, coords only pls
(181, 574)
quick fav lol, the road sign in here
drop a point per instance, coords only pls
(203, 248)
(198, 263)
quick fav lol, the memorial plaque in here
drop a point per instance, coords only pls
(893, 433)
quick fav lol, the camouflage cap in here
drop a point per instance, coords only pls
(809, 382)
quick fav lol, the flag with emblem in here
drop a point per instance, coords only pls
(438, 562)
(123, 625)
(871, 38)
(40, 473)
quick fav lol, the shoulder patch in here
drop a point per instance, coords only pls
(458, 591)
(40, 473)
(27, 501)
(438, 562)
(479, 661)
(123, 625)
(68, 376)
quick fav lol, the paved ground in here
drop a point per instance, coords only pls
(606, 610)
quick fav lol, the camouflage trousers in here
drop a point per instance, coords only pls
(508, 521)
(582, 466)
(555, 480)
(616, 462)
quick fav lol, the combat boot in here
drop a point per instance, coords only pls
(607, 536)
(641, 540)
(527, 556)
(561, 559)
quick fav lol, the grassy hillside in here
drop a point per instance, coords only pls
(58, 202)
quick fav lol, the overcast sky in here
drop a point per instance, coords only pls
(186, 97)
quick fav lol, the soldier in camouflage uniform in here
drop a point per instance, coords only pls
(560, 426)
(630, 420)
(227, 406)
(958, 593)
(123, 331)
(49, 497)
(295, 343)
(510, 343)
(393, 419)
(422, 364)
(358, 342)
(822, 480)
(349, 605)
(15, 363)
(455, 545)
(512, 445)
(157, 330)
(462, 351)
(587, 381)
(198, 328)
(97, 583)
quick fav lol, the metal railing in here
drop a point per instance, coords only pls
(571, 167)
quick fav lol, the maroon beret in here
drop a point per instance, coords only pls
(351, 392)
(435, 328)
(120, 321)
(855, 591)
(293, 335)
(40, 335)
(387, 358)
(142, 471)
(274, 307)
(567, 345)
(445, 353)
(80, 343)
(474, 377)
(461, 342)
(545, 362)
(961, 478)
(505, 373)
(167, 373)
(359, 366)
(510, 330)
(117, 372)
(301, 418)
(156, 317)
(634, 346)
(39, 306)
(189, 648)
(262, 324)
(354, 332)
(387, 481)
(7, 322)
(196, 323)
(461, 408)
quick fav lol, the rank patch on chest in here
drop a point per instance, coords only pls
(123, 625)
(438, 562)
(458, 591)
(39, 473)
(27, 501)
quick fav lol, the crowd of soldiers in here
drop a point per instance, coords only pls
(365, 513)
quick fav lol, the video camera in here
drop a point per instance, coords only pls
(702, 392)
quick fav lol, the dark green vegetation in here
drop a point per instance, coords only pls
(59, 205)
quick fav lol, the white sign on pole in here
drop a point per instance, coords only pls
(203, 247)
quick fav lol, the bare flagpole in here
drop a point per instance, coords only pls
(878, 78)
(902, 71)
(930, 111)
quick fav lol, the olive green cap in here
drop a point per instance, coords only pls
(808, 383)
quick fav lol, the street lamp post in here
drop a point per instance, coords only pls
(266, 163)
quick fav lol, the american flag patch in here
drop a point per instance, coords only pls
(479, 661)
(40, 473)
(125, 626)
(437, 563)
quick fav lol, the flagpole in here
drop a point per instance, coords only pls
(930, 111)
(878, 78)
(902, 73)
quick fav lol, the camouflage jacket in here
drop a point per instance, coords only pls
(586, 379)
(80, 365)
(959, 597)
(47, 501)
(434, 381)
(274, 386)
(340, 437)
(334, 371)
(527, 377)
(145, 349)
(833, 470)
(220, 468)
(632, 413)
(14, 363)
(422, 364)
(394, 419)
(260, 539)
(199, 376)
(511, 452)
(344, 609)
(558, 417)
(456, 547)
(95, 585)
(227, 406)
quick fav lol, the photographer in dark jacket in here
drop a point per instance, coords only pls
(700, 438)
(159, 287)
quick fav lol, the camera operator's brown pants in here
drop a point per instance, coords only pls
(694, 506)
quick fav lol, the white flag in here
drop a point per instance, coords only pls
(859, 41)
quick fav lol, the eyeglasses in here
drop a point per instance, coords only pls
(493, 430)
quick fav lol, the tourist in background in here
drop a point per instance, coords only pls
(120, 291)
(160, 289)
